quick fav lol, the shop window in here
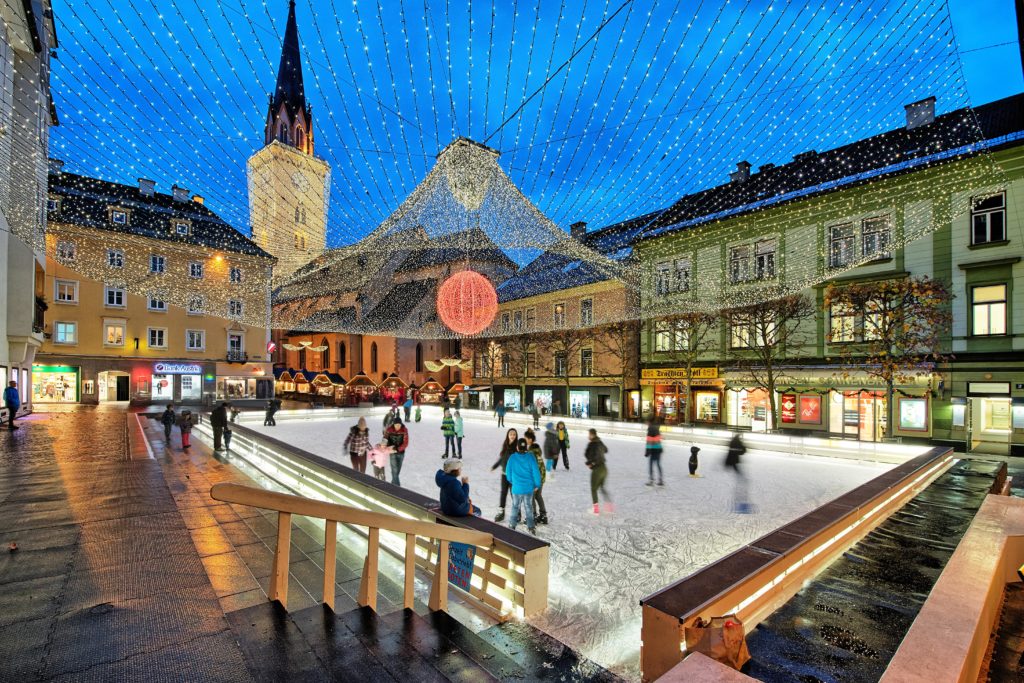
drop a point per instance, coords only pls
(195, 340)
(235, 308)
(113, 333)
(115, 258)
(157, 263)
(587, 312)
(65, 333)
(236, 276)
(662, 278)
(842, 324)
(875, 235)
(681, 275)
(561, 364)
(764, 260)
(559, 315)
(842, 245)
(195, 270)
(66, 251)
(157, 303)
(113, 297)
(988, 310)
(66, 291)
(191, 387)
(739, 264)
(587, 362)
(988, 218)
(157, 337)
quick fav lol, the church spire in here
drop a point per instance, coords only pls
(289, 118)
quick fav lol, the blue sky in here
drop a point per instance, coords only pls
(660, 99)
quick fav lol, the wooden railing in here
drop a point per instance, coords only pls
(287, 505)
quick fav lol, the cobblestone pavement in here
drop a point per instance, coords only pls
(66, 434)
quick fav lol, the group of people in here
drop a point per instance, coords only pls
(221, 419)
(388, 450)
(184, 421)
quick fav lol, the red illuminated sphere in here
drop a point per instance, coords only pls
(467, 302)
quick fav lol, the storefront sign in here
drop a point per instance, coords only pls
(789, 408)
(678, 374)
(810, 410)
(460, 564)
(177, 369)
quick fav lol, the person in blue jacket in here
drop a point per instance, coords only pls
(13, 402)
(524, 477)
(455, 501)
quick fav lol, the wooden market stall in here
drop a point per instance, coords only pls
(338, 392)
(455, 392)
(360, 388)
(392, 389)
(432, 391)
(304, 384)
(284, 381)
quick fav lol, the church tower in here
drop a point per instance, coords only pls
(288, 186)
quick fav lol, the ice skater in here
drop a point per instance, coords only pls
(535, 414)
(538, 495)
(594, 455)
(653, 452)
(499, 411)
(524, 478)
(563, 446)
(407, 407)
(448, 431)
(397, 436)
(550, 448)
(741, 504)
(357, 443)
(460, 431)
(693, 462)
(379, 456)
(508, 447)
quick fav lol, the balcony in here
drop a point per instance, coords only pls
(237, 357)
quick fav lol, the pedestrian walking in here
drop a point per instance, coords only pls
(448, 431)
(12, 401)
(407, 407)
(595, 457)
(454, 494)
(397, 437)
(563, 445)
(379, 456)
(653, 452)
(550, 448)
(460, 431)
(508, 447)
(168, 419)
(499, 410)
(185, 426)
(524, 478)
(737, 448)
(219, 418)
(535, 414)
(693, 462)
(357, 443)
(538, 495)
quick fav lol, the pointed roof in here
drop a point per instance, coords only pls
(289, 88)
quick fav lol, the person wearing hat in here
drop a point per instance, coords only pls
(455, 500)
(524, 478)
(397, 437)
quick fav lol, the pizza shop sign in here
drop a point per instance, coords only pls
(178, 369)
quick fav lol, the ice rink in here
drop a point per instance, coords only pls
(602, 565)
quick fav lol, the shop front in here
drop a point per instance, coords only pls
(245, 381)
(55, 383)
(173, 381)
(360, 389)
(455, 392)
(284, 382)
(666, 389)
(431, 392)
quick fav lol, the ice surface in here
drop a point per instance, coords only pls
(601, 566)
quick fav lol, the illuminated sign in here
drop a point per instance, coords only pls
(178, 368)
(810, 409)
(788, 408)
(678, 373)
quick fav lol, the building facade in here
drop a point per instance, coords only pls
(26, 113)
(152, 297)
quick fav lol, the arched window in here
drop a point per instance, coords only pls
(341, 356)
(373, 356)
(282, 132)
(326, 358)
(302, 358)
(419, 358)
(300, 137)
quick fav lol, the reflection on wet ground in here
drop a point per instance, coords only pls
(845, 625)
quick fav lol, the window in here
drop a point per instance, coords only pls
(587, 312)
(531, 318)
(235, 308)
(662, 336)
(373, 356)
(52, 204)
(739, 264)
(842, 324)
(559, 315)
(561, 364)
(875, 237)
(156, 303)
(300, 239)
(506, 365)
(282, 132)
(988, 218)
(195, 270)
(67, 291)
(113, 297)
(681, 275)
(115, 258)
(300, 138)
(739, 336)
(236, 276)
(65, 250)
(988, 310)
(303, 221)
(296, 217)
(113, 333)
(419, 357)
(506, 322)
(65, 333)
(182, 228)
(662, 279)
(681, 337)
(342, 356)
(196, 305)
(119, 218)
(157, 264)
(235, 342)
(587, 362)
(531, 363)
(517, 320)
(195, 340)
(764, 260)
(157, 337)
(842, 245)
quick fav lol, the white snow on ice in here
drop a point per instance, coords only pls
(602, 566)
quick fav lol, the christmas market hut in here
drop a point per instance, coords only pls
(392, 389)
(284, 381)
(454, 393)
(360, 388)
(432, 391)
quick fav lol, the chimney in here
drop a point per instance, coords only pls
(180, 193)
(741, 174)
(146, 187)
(198, 199)
(56, 166)
(920, 113)
(578, 229)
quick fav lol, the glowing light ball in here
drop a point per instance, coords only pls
(467, 302)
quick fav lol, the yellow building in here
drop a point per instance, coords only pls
(152, 297)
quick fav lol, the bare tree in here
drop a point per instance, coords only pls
(519, 348)
(691, 338)
(565, 344)
(891, 328)
(486, 354)
(761, 334)
(620, 342)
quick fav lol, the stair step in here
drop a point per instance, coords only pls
(542, 657)
(448, 658)
(273, 646)
(340, 650)
(488, 657)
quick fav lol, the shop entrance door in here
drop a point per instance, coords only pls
(122, 388)
(988, 425)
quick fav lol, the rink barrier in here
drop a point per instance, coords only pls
(510, 578)
(760, 577)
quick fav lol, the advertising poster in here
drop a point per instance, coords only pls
(460, 564)
(914, 414)
(788, 408)
(810, 409)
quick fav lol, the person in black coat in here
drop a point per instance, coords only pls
(218, 419)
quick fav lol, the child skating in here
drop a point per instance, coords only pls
(693, 462)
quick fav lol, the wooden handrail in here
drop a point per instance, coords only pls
(287, 505)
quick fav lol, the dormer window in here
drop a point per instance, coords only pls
(119, 217)
(182, 229)
(52, 204)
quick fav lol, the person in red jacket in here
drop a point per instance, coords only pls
(397, 437)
